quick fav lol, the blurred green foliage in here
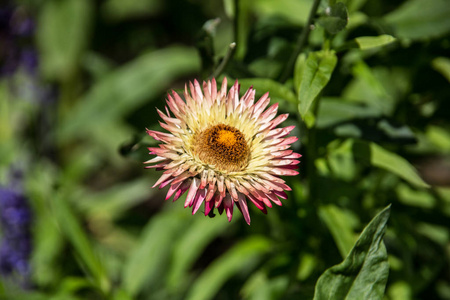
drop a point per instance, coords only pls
(368, 93)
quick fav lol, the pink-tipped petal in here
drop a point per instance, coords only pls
(209, 205)
(201, 194)
(228, 205)
(192, 192)
(204, 160)
(244, 208)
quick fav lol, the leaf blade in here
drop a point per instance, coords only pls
(316, 73)
(363, 274)
(369, 42)
(209, 282)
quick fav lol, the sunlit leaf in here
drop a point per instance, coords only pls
(316, 73)
(396, 164)
(442, 65)
(364, 272)
(241, 257)
(368, 42)
(379, 157)
(307, 265)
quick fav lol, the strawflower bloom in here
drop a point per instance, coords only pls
(223, 150)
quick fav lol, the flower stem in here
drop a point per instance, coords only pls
(226, 59)
(300, 43)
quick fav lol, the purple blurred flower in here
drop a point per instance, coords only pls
(15, 246)
(16, 29)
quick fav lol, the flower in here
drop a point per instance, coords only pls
(16, 31)
(223, 150)
(15, 223)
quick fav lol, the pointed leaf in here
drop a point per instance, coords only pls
(442, 65)
(379, 157)
(363, 274)
(396, 164)
(276, 90)
(71, 227)
(191, 245)
(340, 225)
(150, 257)
(316, 74)
(335, 18)
(241, 257)
(368, 42)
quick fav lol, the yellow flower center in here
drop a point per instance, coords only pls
(222, 146)
(227, 138)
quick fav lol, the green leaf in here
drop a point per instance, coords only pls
(115, 201)
(307, 265)
(121, 295)
(400, 290)
(379, 157)
(118, 10)
(396, 164)
(62, 36)
(191, 245)
(439, 137)
(47, 238)
(337, 110)
(149, 259)
(276, 90)
(363, 274)
(295, 12)
(341, 161)
(415, 198)
(420, 19)
(242, 29)
(442, 65)
(260, 287)
(126, 88)
(299, 69)
(369, 42)
(316, 74)
(241, 257)
(71, 227)
(335, 18)
(340, 223)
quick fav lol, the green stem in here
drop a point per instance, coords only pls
(226, 59)
(300, 43)
(312, 155)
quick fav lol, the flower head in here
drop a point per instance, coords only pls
(15, 222)
(223, 150)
